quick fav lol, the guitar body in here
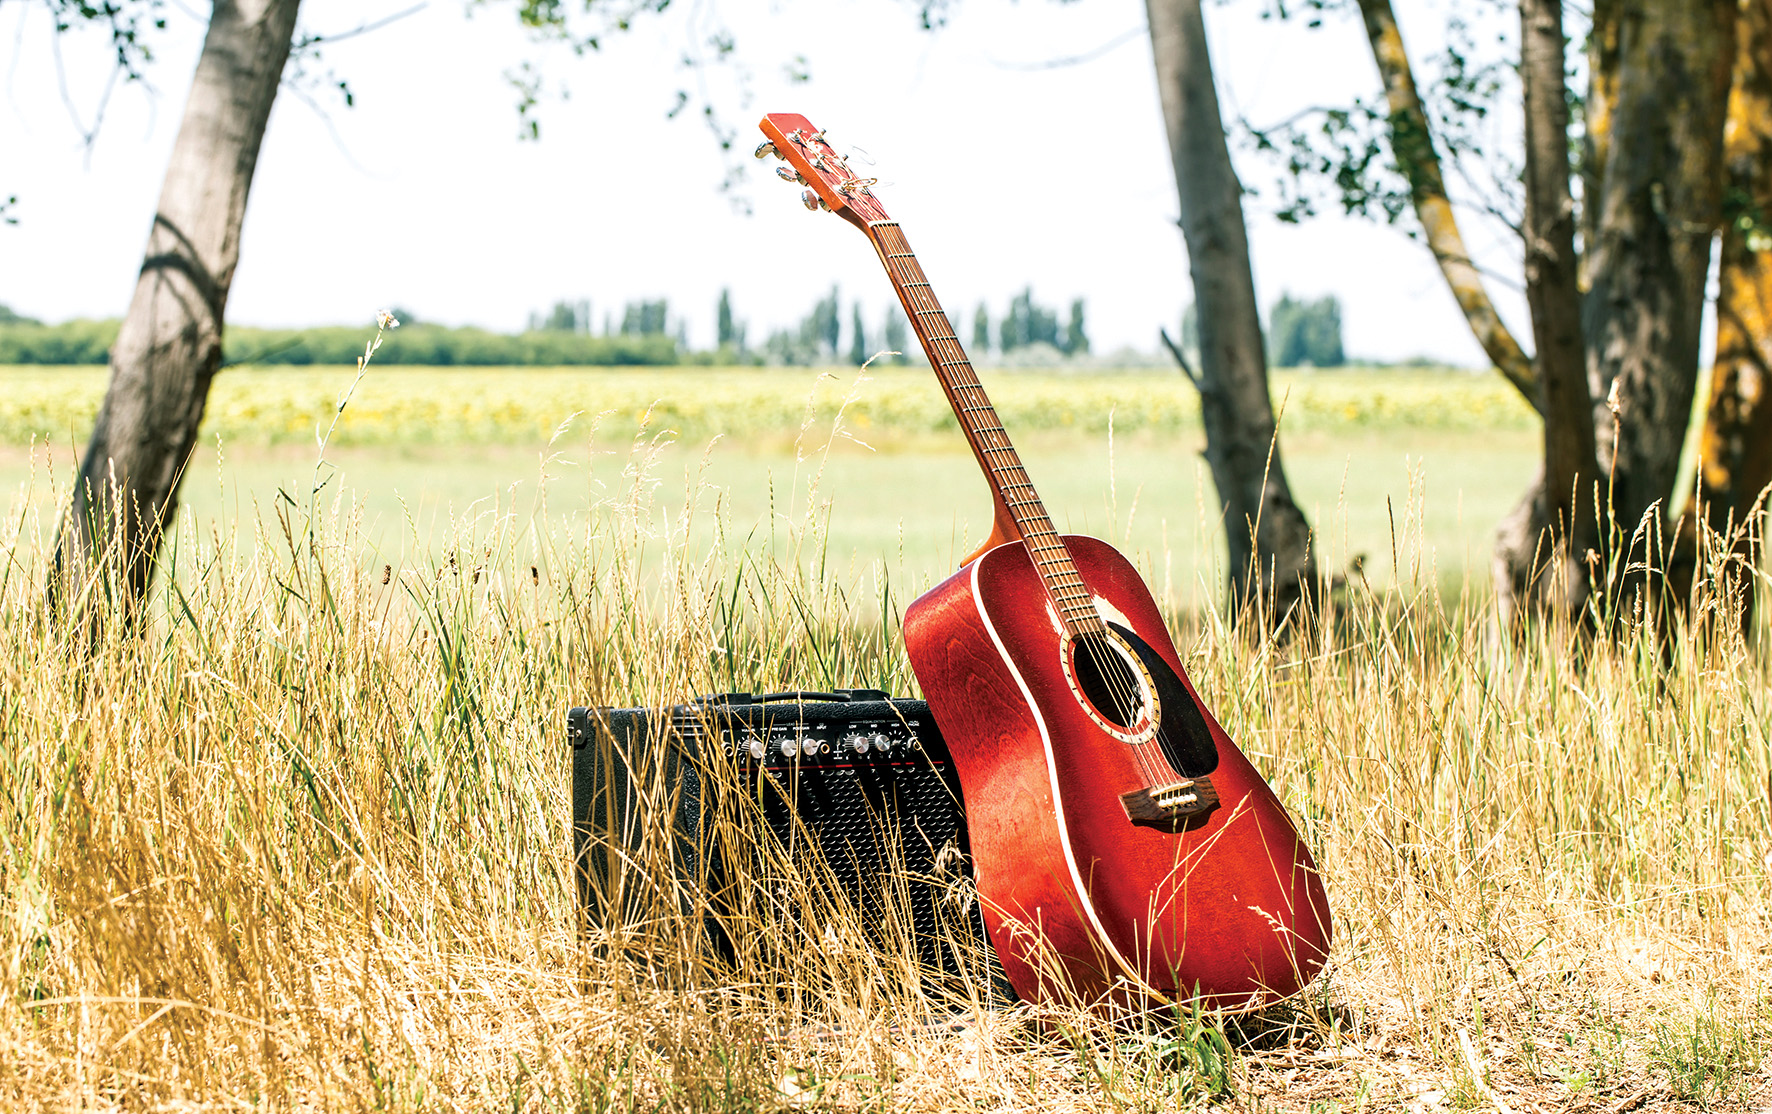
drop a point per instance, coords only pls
(1126, 852)
(1226, 909)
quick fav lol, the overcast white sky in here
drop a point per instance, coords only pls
(1003, 172)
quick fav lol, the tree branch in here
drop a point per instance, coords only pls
(1412, 144)
(1181, 360)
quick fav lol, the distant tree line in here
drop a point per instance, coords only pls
(1027, 324)
(819, 337)
(648, 333)
(438, 346)
(24, 341)
(1299, 333)
(561, 340)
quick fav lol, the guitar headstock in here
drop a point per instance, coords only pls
(831, 183)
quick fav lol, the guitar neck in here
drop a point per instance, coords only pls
(1002, 467)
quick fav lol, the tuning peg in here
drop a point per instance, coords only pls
(789, 174)
(767, 148)
(816, 137)
(813, 201)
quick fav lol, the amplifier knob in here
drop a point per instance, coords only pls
(790, 746)
(858, 743)
(881, 742)
(758, 749)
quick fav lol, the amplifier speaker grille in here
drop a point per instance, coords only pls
(780, 820)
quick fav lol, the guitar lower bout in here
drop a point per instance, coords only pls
(1155, 871)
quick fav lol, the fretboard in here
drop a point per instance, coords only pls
(978, 420)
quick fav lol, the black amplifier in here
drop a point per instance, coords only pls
(769, 819)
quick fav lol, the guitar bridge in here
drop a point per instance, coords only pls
(1167, 806)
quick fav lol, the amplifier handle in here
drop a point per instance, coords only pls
(841, 696)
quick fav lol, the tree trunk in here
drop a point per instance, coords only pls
(169, 346)
(1735, 447)
(1543, 546)
(1271, 564)
(1412, 144)
(1659, 205)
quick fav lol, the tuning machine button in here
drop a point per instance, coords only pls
(814, 202)
(767, 148)
(789, 174)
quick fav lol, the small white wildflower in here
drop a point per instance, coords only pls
(386, 320)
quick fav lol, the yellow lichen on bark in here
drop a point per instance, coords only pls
(1735, 443)
(1735, 448)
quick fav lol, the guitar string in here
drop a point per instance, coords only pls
(955, 370)
(1000, 458)
(1062, 581)
(1048, 552)
(1050, 555)
(1117, 683)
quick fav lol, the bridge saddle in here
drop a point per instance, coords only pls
(1166, 806)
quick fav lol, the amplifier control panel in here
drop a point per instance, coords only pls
(821, 744)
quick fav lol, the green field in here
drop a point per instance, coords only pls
(450, 406)
(1417, 463)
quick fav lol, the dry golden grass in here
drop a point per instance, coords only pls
(302, 843)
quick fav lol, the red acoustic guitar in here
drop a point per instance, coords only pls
(1125, 849)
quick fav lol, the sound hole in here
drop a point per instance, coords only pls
(1107, 680)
